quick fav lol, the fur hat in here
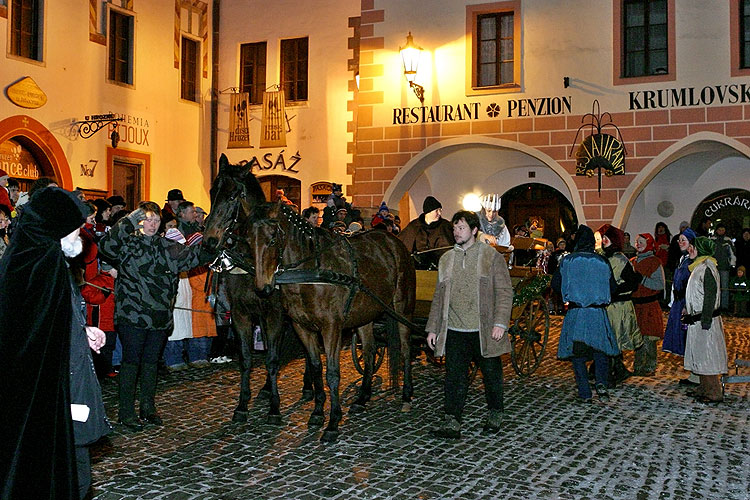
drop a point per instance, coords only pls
(430, 203)
(615, 234)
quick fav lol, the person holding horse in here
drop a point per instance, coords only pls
(469, 316)
(428, 236)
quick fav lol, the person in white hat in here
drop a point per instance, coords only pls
(492, 227)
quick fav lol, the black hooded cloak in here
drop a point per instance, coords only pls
(37, 458)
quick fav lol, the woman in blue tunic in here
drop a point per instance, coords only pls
(586, 283)
(676, 331)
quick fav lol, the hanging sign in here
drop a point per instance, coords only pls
(26, 94)
(239, 130)
(273, 126)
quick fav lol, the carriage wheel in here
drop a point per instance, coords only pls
(528, 335)
(358, 355)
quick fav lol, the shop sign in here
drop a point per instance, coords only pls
(267, 162)
(26, 94)
(132, 129)
(514, 108)
(320, 191)
(727, 201)
(18, 161)
(239, 129)
(735, 93)
(273, 123)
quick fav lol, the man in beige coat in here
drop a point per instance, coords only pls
(468, 321)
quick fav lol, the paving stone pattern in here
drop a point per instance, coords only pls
(649, 441)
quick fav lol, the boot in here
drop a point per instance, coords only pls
(712, 389)
(621, 373)
(449, 429)
(127, 378)
(700, 390)
(148, 391)
(602, 393)
(494, 419)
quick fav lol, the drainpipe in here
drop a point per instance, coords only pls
(215, 16)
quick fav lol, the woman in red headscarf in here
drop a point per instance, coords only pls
(646, 303)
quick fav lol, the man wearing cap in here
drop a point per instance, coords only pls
(427, 232)
(174, 198)
(118, 205)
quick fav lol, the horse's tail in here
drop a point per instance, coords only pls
(394, 350)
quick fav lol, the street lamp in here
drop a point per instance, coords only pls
(410, 54)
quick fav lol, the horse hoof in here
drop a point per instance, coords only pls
(405, 407)
(264, 395)
(356, 408)
(329, 436)
(316, 420)
(307, 395)
(239, 417)
(274, 419)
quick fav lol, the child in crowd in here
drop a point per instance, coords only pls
(740, 293)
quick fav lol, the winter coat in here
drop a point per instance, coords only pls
(495, 298)
(148, 272)
(705, 349)
(724, 253)
(646, 297)
(419, 236)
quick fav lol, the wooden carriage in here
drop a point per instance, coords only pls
(529, 328)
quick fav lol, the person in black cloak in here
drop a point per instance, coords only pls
(37, 320)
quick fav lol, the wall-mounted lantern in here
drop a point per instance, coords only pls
(410, 54)
(94, 123)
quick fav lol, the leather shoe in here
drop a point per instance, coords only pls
(131, 423)
(152, 418)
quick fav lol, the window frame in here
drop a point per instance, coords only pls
(131, 15)
(196, 69)
(40, 33)
(473, 12)
(735, 40)
(618, 38)
(287, 99)
(260, 87)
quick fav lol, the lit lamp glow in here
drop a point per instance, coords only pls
(471, 202)
(410, 54)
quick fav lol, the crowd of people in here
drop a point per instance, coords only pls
(119, 290)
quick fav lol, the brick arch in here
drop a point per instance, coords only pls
(41, 142)
(701, 141)
(413, 169)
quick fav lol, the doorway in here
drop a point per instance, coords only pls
(126, 180)
(292, 188)
(728, 206)
(544, 204)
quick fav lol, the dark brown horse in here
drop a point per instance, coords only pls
(234, 194)
(346, 283)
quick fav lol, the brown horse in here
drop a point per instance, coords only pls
(330, 283)
(234, 194)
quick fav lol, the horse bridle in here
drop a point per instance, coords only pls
(228, 258)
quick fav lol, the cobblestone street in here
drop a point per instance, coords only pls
(649, 441)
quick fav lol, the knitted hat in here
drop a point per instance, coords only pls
(650, 244)
(690, 235)
(383, 206)
(704, 246)
(174, 234)
(430, 203)
(615, 234)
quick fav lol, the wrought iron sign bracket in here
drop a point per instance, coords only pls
(92, 124)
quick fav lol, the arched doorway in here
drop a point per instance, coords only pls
(545, 204)
(728, 206)
(450, 169)
(292, 188)
(39, 148)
